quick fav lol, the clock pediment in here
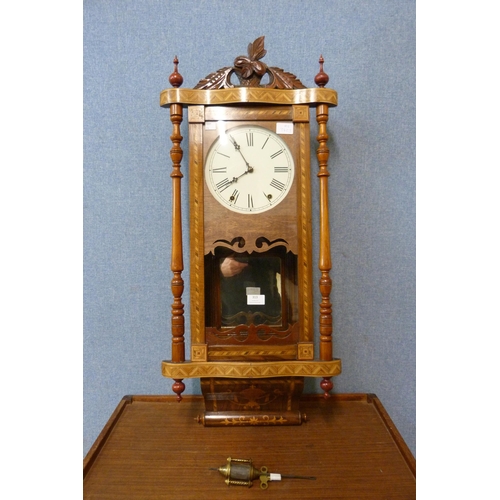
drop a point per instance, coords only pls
(249, 70)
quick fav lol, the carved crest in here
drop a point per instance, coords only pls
(249, 70)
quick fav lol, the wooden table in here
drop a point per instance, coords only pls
(153, 448)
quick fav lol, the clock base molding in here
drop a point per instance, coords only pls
(241, 393)
(251, 369)
(251, 393)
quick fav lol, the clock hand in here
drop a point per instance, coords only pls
(238, 148)
(248, 171)
(228, 182)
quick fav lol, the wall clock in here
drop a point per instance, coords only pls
(253, 338)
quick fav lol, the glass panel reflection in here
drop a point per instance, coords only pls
(250, 290)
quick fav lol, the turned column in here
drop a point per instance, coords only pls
(325, 265)
(177, 264)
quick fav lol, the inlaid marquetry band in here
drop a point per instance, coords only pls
(240, 95)
(251, 369)
(223, 353)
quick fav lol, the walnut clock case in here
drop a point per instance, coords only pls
(252, 331)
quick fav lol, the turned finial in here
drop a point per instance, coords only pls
(321, 79)
(175, 78)
(178, 387)
(327, 385)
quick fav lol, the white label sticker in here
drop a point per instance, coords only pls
(274, 477)
(256, 300)
(210, 126)
(284, 128)
(253, 290)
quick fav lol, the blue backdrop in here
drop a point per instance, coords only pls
(369, 52)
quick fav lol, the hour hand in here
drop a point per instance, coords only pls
(235, 179)
(249, 170)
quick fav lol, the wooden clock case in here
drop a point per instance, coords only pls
(252, 370)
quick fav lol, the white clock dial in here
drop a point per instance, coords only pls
(249, 169)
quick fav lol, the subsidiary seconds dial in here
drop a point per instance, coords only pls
(249, 169)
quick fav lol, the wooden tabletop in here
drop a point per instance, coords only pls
(153, 448)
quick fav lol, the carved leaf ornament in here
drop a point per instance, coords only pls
(249, 70)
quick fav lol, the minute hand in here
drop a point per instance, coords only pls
(238, 148)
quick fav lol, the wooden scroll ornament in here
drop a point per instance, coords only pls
(249, 70)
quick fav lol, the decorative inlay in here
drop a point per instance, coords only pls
(305, 351)
(197, 258)
(199, 352)
(305, 242)
(239, 95)
(245, 351)
(260, 369)
(196, 114)
(259, 420)
(301, 114)
(215, 113)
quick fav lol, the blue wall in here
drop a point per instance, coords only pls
(369, 49)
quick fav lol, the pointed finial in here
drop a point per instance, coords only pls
(321, 79)
(175, 78)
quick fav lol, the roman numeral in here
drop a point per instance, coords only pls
(222, 154)
(249, 138)
(277, 185)
(280, 169)
(264, 145)
(250, 201)
(273, 156)
(222, 170)
(222, 185)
